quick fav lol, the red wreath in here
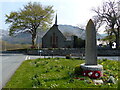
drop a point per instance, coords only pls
(85, 73)
(92, 74)
(96, 74)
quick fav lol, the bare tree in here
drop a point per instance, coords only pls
(97, 22)
(109, 14)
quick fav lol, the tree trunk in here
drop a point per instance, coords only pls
(117, 35)
(110, 43)
(33, 39)
(117, 41)
(118, 29)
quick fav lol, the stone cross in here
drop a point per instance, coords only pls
(90, 48)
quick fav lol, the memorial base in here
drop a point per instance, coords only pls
(92, 71)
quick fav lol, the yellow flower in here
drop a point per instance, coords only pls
(108, 83)
(102, 63)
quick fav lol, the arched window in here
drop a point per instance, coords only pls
(54, 40)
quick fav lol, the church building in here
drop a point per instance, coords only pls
(54, 38)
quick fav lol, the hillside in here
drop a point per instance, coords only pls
(25, 38)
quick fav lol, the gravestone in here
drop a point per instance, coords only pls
(91, 68)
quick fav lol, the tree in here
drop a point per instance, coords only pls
(29, 19)
(110, 39)
(97, 22)
(78, 42)
(81, 43)
(109, 14)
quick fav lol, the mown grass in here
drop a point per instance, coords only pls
(59, 73)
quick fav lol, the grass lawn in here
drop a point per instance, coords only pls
(59, 73)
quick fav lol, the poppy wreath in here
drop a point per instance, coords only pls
(92, 74)
(96, 74)
(85, 73)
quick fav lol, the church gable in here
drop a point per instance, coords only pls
(54, 38)
(54, 29)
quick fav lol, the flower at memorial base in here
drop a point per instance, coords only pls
(88, 81)
(87, 73)
(104, 79)
(108, 83)
(92, 74)
(104, 75)
(97, 84)
(82, 79)
(96, 74)
(76, 78)
(84, 73)
(102, 63)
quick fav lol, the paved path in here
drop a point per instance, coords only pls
(10, 62)
(0, 72)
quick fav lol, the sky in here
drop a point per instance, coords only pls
(69, 12)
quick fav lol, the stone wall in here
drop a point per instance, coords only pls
(109, 52)
(73, 52)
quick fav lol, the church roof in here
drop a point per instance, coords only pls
(69, 30)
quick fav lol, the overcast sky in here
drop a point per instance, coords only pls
(70, 12)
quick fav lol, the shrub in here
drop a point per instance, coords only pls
(50, 48)
(68, 56)
(48, 58)
(104, 59)
(78, 70)
(57, 58)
